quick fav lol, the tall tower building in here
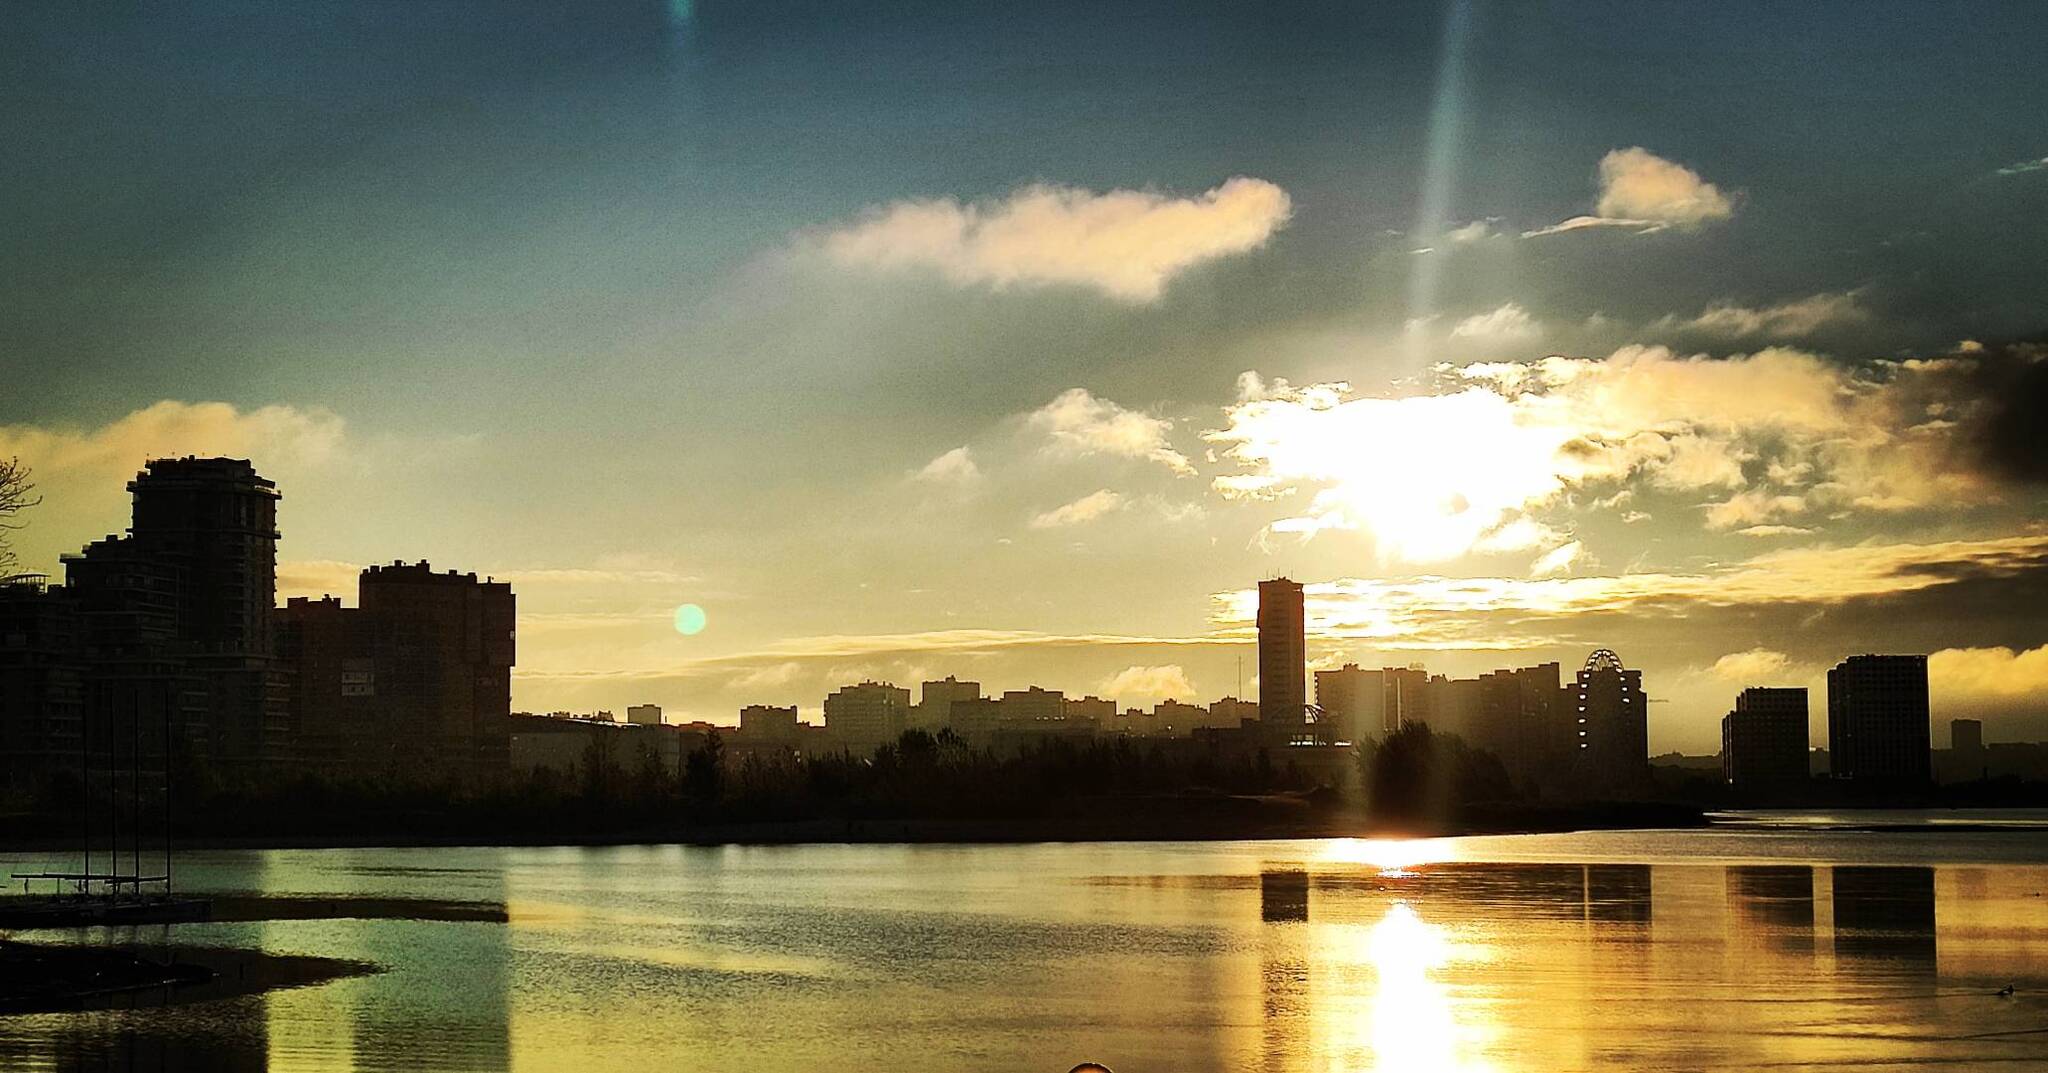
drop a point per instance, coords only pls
(216, 521)
(1763, 741)
(183, 605)
(1877, 719)
(1283, 658)
(1612, 725)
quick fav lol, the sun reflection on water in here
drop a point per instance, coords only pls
(1412, 1019)
(1390, 856)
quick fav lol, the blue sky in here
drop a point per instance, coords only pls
(643, 302)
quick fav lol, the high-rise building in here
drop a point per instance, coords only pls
(1611, 729)
(417, 679)
(1966, 735)
(1033, 705)
(1405, 697)
(937, 698)
(178, 612)
(1096, 710)
(643, 715)
(42, 680)
(1878, 719)
(867, 715)
(1353, 700)
(1231, 713)
(768, 723)
(1283, 659)
(1763, 740)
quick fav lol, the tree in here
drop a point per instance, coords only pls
(17, 494)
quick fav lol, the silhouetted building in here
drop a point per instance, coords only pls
(1097, 711)
(644, 715)
(1763, 741)
(936, 700)
(1283, 660)
(416, 680)
(1033, 705)
(177, 614)
(1611, 736)
(42, 680)
(1404, 697)
(866, 715)
(769, 723)
(1354, 701)
(1878, 719)
(1231, 713)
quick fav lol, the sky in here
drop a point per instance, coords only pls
(1019, 342)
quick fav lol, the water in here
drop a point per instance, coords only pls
(1789, 948)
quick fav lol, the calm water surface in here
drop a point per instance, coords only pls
(1717, 949)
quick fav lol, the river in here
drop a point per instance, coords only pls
(1800, 944)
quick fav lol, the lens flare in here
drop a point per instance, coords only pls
(690, 620)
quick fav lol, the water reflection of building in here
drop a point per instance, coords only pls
(1885, 914)
(1772, 905)
(1283, 896)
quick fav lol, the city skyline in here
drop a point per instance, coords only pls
(994, 352)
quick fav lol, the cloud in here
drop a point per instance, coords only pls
(955, 467)
(1491, 445)
(1510, 321)
(1773, 530)
(1752, 510)
(271, 434)
(1131, 684)
(82, 472)
(1518, 613)
(1558, 560)
(1085, 509)
(1755, 667)
(1476, 231)
(1788, 320)
(1645, 192)
(2025, 166)
(1079, 424)
(1127, 244)
(1971, 676)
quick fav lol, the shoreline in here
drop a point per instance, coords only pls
(967, 832)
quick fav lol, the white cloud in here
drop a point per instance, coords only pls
(955, 467)
(1758, 666)
(1168, 682)
(1643, 191)
(1510, 321)
(1773, 530)
(1085, 509)
(1788, 320)
(1558, 560)
(1126, 243)
(2025, 166)
(1476, 231)
(1753, 510)
(1077, 423)
(1434, 476)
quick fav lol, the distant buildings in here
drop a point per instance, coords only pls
(1878, 719)
(1095, 711)
(1763, 741)
(867, 715)
(1283, 660)
(936, 700)
(1353, 700)
(644, 715)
